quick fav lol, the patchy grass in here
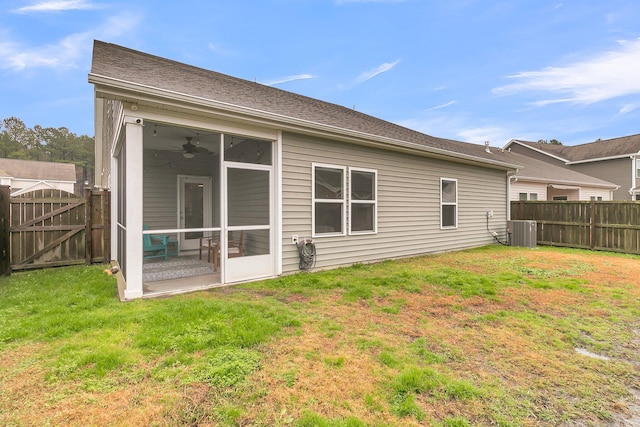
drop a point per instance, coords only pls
(479, 337)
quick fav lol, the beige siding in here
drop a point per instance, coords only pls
(586, 193)
(408, 203)
(518, 187)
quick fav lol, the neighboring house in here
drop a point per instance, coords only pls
(199, 158)
(539, 180)
(614, 160)
(29, 175)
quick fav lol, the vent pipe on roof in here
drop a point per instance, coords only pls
(486, 147)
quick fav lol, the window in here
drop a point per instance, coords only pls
(522, 196)
(448, 203)
(329, 200)
(637, 168)
(533, 196)
(362, 201)
(560, 198)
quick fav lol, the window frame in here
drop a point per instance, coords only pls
(373, 202)
(442, 204)
(314, 201)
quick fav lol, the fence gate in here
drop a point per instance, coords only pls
(50, 228)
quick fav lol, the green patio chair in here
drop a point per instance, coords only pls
(155, 246)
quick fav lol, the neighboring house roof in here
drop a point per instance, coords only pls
(129, 71)
(624, 146)
(37, 171)
(540, 171)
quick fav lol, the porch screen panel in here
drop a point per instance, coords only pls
(248, 204)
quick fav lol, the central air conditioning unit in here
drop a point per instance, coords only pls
(523, 233)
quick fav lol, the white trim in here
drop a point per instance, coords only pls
(133, 206)
(373, 202)
(456, 204)
(314, 200)
(277, 160)
(599, 159)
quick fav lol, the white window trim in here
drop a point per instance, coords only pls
(314, 200)
(373, 202)
(450, 227)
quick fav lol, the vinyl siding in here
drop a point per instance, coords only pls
(518, 187)
(408, 203)
(617, 171)
(160, 183)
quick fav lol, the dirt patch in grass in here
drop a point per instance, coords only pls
(509, 346)
(412, 349)
(28, 398)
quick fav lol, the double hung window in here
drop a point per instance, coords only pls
(448, 203)
(332, 200)
(329, 200)
(362, 201)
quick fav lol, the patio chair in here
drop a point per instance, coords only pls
(154, 246)
(212, 246)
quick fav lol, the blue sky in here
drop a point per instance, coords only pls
(468, 70)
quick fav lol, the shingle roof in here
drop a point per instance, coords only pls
(149, 73)
(616, 147)
(541, 171)
(41, 171)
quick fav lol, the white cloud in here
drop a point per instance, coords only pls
(448, 104)
(368, 75)
(627, 108)
(68, 51)
(289, 79)
(57, 6)
(605, 76)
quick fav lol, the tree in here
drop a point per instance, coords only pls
(17, 141)
(551, 141)
(46, 144)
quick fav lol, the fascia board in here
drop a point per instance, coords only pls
(563, 182)
(107, 84)
(601, 159)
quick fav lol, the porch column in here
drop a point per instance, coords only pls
(133, 208)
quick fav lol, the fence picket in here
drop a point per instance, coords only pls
(598, 225)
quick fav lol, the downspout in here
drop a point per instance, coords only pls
(510, 176)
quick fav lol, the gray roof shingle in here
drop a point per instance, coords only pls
(616, 147)
(41, 171)
(123, 66)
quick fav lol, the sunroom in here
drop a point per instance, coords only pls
(194, 206)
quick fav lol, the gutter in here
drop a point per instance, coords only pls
(563, 182)
(295, 124)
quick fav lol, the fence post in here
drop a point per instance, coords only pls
(88, 227)
(592, 223)
(106, 220)
(5, 231)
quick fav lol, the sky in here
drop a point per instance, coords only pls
(469, 70)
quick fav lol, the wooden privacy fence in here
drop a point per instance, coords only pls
(610, 226)
(50, 228)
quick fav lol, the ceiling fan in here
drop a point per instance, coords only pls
(189, 150)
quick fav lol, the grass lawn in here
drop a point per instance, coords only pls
(494, 336)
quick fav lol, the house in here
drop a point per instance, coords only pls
(24, 176)
(614, 160)
(536, 179)
(197, 159)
